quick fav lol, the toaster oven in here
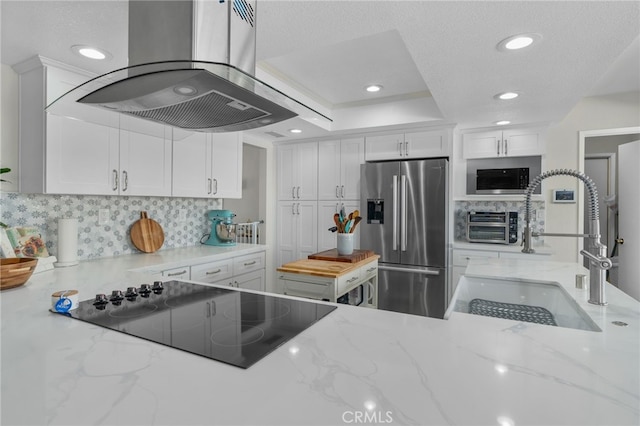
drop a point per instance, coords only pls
(492, 227)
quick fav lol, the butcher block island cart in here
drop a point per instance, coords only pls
(349, 279)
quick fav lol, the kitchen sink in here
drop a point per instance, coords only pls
(542, 302)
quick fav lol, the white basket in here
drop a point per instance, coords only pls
(248, 232)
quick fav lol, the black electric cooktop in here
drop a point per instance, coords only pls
(231, 326)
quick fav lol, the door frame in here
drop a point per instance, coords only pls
(612, 181)
(582, 136)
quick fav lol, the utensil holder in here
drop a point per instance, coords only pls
(345, 243)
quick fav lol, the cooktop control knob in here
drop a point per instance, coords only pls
(157, 287)
(131, 293)
(144, 290)
(101, 299)
(116, 297)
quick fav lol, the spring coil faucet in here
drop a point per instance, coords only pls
(595, 251)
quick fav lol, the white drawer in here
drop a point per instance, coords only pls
(213, 271)
(462, 257)
(348, 281)
(177, 273)
(369, 270)
(248, 263)
(318, 291)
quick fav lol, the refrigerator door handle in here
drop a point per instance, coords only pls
(395, 212)
(403, 221)
(434, 272)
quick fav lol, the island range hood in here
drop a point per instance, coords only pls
(192, 66)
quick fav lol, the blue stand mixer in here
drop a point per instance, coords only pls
(223, 230)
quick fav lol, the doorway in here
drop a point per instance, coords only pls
(599, 160)
(252, 206)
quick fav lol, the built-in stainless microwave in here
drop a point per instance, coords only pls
(488, 176)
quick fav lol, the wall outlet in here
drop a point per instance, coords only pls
(182, 215)
(103, 216)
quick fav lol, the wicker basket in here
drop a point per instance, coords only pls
(16, 271)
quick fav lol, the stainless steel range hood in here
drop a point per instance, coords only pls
(191, 65)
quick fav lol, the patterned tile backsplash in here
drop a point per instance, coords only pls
(462, 207)
(112, 239)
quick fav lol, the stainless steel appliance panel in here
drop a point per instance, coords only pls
(380, 227)
(423, 207)
(417, 291)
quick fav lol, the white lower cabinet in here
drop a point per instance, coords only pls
(247, 271)
(461, 259)
(183, 273)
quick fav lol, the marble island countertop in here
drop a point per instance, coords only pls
(355, 366)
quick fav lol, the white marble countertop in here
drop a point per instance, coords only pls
(356, 365)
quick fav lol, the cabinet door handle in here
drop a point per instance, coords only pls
(342, 191)
(506, 146)
(337, 211)
(216, 186)
(250, 263)
(298, 209)
(498, 147)
(236, 284)
(337, 195)
(208, 310)
(125, 180)
(213, 308)
(115, 180)
(293, 208)
(400, 148)
(293, 192)
(406, 148)
(209, 183)
(298, 192)
(175, 274)
(213, 272)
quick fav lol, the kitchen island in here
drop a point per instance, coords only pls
(361, 366)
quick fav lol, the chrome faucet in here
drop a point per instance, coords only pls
(595, 252)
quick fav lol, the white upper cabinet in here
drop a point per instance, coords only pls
(339, 169)
(424, 144)
(207, 165)
(79, 149)
(503, 143)
(298, 171)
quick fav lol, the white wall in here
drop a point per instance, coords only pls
(593, 113)
(9, 127)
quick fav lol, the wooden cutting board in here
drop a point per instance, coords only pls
(147, 234)
(322, 268)
(356, 256)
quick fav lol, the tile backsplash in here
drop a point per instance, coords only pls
(462, 207)
(112, 239)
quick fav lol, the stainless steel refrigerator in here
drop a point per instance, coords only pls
(405, 222)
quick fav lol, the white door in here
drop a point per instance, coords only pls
(287, 172)
(191, 165)
(145, 162)
(286, 228)
(351, 157)
(628, 208)
(307, 173)
(227, 165)
(329, 170)
(307, 229)
(482, 145)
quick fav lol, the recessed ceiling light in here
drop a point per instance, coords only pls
(507, 95)
(295, 130)
(502, 122)
(90, 52)
(518, 41)
(373, 88)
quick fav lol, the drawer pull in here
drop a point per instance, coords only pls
(350, 280)
(250, 263)
(371, 269)
(213, 272)
(175, 274)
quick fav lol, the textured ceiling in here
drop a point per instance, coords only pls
(328, 51)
